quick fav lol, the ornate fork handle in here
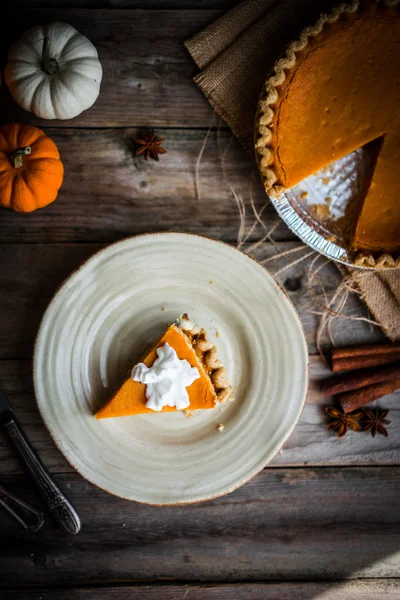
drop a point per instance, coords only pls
(59, 506)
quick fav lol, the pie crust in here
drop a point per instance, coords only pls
(265, 121)
(207, 353)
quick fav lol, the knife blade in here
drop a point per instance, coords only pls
(61, 509)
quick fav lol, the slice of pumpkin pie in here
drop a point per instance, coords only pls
(182, 371)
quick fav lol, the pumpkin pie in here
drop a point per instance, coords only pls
(190, 343)
(337, 89)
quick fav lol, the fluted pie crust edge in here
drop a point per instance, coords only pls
(265, 119)
(207, 353)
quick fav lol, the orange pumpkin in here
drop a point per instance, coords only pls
(31, 171)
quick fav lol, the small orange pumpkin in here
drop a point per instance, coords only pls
(31, 172)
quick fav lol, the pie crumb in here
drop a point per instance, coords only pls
(221, 427)
(163, 308)
(321, 210)
(189, 413)
(211, 282)
(304, 195)
(217, 334)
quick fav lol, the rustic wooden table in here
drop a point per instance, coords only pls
(323, 520)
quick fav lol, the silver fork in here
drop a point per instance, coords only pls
(61, 509)
(27, 516)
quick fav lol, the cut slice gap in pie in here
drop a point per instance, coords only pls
(355, 210)
(190, 343)
(331, 199)
(336, 90)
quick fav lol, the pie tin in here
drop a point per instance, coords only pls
(327, 192)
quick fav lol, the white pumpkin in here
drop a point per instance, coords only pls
(54, 71)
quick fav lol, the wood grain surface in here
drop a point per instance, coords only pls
(310, 444)
(285, 524)
(31, 273)
(325, 510)
(371, 589)
(109, 193)
(142, 4)
(147, 72)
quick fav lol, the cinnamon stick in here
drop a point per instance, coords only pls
(356, 398)
(359, 379)
(368, 355)
(365, 350)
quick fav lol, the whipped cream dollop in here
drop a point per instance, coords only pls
(166, 380)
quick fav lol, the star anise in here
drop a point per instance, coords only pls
(343, 421)
(149, 145)
(375, 421)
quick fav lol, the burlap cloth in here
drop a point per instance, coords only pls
(234, 55)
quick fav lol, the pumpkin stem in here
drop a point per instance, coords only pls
(17, 154)
(49, 65)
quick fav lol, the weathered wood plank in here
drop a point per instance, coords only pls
(148, 73)
(16, 383)
(309, 444)
(31, 273)
(141, 4)
(292, 524)
(371, 589)
(109, 193)
(312, 444)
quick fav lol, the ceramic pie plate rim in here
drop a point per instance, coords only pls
(86, 264)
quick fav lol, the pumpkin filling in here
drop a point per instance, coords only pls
(337, 90)
(189, 344)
